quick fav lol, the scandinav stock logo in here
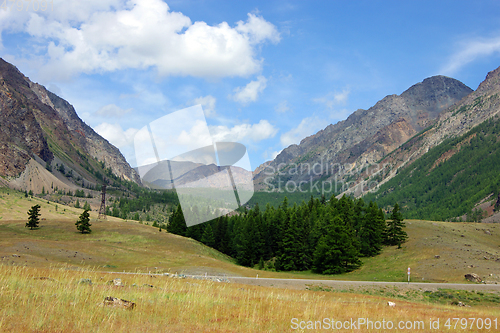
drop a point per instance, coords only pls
(177, 152)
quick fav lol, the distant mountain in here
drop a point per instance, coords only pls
(195, 175)
(43, 142)
(366, 136)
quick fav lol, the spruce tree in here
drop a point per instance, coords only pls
(83, 223)
(395, 235)
(336, 251)
(33, 217)
(372, 231)
(289, 256)
(177, 225)
(208, 236)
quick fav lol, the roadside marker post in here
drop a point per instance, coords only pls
(408, 275)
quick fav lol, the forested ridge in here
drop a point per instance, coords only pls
(450, 179)
(327, 237)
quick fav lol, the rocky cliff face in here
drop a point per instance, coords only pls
(365, 136)
(21, 135)
(37, 125)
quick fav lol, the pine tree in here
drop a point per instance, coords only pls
(208, 236)
(77, 203)
(395, 235)
(289, 256)
(372, 231)
(336, 251)
(83, 223)
(33, 217)
(177, 225)
(86, 206)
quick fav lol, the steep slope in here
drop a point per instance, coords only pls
(365, 136)
(38, 126)
(446, 170)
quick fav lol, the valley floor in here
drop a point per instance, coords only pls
(55, 279)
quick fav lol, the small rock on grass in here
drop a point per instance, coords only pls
(85, 281)
(118, 303)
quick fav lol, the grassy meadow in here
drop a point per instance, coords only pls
(41, 270)
(55, 300)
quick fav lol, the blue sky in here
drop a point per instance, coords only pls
(267, 73)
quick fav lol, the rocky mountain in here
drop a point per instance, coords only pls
(482, 104)
(364, 138)
(458, 155)
(41, 134)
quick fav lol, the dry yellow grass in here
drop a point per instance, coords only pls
(60, 303)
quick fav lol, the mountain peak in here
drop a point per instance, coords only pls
(368, 135)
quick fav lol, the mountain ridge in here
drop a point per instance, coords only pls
(37, 125)
(362, 139)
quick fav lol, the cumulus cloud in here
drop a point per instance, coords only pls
(250, 92)
(208, 104)
(112, 110)
(307, 126)
(243, 132)
(115, 134)
(333, 98)
(469, 51)
(103, 36)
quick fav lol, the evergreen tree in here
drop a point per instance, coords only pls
(77, 203)
(372, 231)
(395, 235)
(177, 225)
(83, 223)
(208, 236)
(86, 206)
(33, 217)
(336, 252)
(288, 258)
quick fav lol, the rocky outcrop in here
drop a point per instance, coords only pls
(21, 135)
(38, 126)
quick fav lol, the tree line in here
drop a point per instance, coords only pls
(327, 237)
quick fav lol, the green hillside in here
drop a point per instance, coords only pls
(450, 179)
(120, 245)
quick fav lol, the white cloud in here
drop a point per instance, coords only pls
(250, 92)
(244, 132)
(208, 104)
(258, 30)
(104, 36)
(112, 110)
(282, 107)
(115, 134)
(470, 51)
(307, 126)
(333, 98)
